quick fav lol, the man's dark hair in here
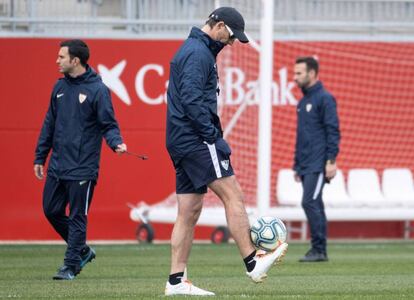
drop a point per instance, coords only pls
(77, 48)
(311, 63)
(211, 22)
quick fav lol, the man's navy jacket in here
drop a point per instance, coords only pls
(79, 115)
(192, 95)
(317, 133)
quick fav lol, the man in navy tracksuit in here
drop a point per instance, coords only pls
(317, 146)
(199, 153)
(79, 115)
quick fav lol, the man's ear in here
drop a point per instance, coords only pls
(220, 25)
(76, 60)
(312, 73)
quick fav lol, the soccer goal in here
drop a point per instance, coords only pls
(245, 76)
(364, 62)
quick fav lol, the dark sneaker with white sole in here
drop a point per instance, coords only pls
(65, 273)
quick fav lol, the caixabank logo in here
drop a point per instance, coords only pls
(236, 89)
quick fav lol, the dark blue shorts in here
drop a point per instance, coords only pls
(202, 166)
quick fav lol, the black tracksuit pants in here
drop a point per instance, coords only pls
(314, 209)
(57, 195)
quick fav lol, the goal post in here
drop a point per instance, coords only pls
(264, 155)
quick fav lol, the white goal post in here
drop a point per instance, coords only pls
(265, 108)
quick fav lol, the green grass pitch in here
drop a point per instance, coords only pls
(355, 271)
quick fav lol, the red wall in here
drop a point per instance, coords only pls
(28, 73)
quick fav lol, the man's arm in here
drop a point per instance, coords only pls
(45, 140)
(296, 167)
(194, 78)
(108, 123)
(331, 124)
(296, 159)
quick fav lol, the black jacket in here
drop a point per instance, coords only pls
(317, 133)
(79, 115)
(192, 95)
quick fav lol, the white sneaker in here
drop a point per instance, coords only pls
(185, 288)
(265, 261)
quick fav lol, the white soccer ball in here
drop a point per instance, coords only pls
(267, 233)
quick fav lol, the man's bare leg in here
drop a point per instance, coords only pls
(189, 209)
(230, 193)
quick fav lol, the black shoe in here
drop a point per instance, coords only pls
(65, 273)
(314, 256)
(87, 255)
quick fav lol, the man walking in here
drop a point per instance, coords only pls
(317, 146)
(79, 115)
(200, 155)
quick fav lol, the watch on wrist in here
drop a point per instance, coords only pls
(331, 161)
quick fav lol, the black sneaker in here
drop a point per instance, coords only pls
(64, 273)
(87, 255)
(314, 256)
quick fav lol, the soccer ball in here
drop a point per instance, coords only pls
(267, 233)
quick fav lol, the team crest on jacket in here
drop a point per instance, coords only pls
(82, 97)
(225, 164)
(308, 107)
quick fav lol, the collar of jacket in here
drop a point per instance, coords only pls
(214, 46)
(89, 76)
(314, 88)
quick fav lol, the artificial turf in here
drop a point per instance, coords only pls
(363, 270)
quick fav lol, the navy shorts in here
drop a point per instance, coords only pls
(202, 166)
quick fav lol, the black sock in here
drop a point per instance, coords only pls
(175, 278)
(250, 262)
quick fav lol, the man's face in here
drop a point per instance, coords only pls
(224, 34)
(65, 64)
(301, 75)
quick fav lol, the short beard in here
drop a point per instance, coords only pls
(66, 71)
(304, 84)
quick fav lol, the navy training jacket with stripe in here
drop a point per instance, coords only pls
(317, 133)
(192, 95)
(79, 115)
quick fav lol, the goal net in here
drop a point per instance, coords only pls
(371, 81)
(238, 68)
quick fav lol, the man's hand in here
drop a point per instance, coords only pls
(330, 170)
(122, 148)
(38, 171)
(297, 177)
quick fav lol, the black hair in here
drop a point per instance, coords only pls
(211, 22)
(311, 63)
(77, 48)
